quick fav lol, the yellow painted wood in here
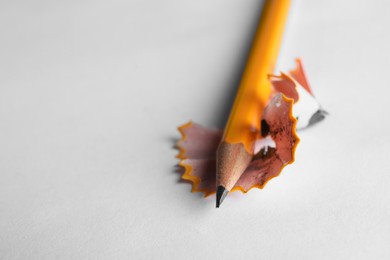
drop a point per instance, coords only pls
(243, 125)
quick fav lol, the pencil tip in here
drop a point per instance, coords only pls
(221, 195)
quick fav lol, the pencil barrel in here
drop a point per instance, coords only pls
(243, 125)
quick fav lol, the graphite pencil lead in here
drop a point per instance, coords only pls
(221, 195)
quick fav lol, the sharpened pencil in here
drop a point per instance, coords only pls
(243, 127)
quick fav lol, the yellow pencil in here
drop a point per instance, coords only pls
(243, 127)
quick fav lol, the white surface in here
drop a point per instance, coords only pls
(91, 93)
(305, 108)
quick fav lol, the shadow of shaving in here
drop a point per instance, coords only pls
(178, 169)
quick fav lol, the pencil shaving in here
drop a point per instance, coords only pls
(295, 85)
(198, 144)
(270, 161)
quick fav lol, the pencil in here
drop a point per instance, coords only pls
(243, 127)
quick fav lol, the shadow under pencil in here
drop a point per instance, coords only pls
(226, 99)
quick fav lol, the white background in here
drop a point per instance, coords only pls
(91, 93)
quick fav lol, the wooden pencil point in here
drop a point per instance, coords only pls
(232, 160)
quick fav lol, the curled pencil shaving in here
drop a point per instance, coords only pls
(287, 83)
(276, 148)
(299, 74)
(197, 148)
(295, 85)
(269, 161)
(199, 144)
